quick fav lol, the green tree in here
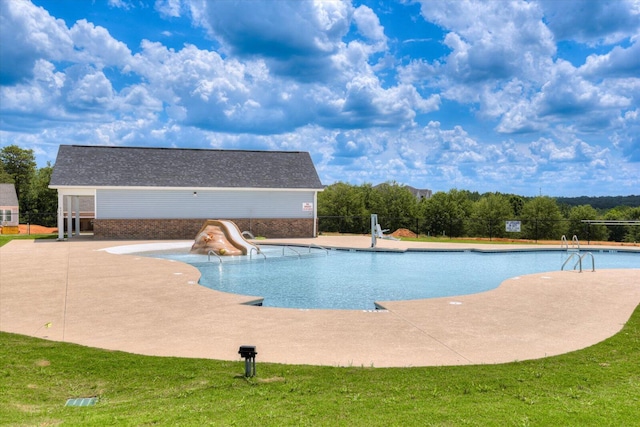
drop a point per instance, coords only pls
(445, 213)
(617, 232)
(489, 215)
(5, 178)
(517, 203)
(395, 205)
(20, 165)
(43, 200)
(582, 230)
(342, 207)
(633, 231)
(542, 219)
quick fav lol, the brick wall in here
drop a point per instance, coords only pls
(186, 229)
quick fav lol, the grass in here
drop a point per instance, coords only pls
(599, 385)
(447, 239)
(6, 238)
(494, 241)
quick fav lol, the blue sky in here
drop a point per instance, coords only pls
(525, 97)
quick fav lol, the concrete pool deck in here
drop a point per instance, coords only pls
(76, 292)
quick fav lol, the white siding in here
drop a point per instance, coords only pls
(155, 204)
(9, 216)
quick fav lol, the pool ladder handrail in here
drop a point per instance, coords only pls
(575, 243)
(313, 245)
(258, 252)
(290, 248)
(213, 252)
(579, 262)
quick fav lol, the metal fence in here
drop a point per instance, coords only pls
(46, 219)
(523, 228)
(530, 229)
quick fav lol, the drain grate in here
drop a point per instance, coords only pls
(81, 401)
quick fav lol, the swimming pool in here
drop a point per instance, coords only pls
(341, 279)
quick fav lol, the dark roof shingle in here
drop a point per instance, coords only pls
(8, 196)
(100, 166)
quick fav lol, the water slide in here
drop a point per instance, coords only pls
(231, 233)
(236, 238)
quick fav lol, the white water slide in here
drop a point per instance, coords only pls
(234, 235)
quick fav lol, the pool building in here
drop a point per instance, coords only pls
(167, 193)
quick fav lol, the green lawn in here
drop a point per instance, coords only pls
(6, 238)
(599, 386)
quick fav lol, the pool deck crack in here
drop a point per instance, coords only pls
(426, 333)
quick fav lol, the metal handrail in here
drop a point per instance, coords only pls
(567, 260)
(258, 251)
(593, 261)
(209, 256)
(290, 248)
(575, 243)
(579, 262)
(319, 247)
(575, 240)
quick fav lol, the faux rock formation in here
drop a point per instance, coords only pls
(212, 238)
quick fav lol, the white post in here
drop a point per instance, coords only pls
(60, 216)
(69, 217)
(374, 221)
(76, 206)
(315, 214)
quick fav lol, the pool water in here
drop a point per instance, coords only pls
(357, 279)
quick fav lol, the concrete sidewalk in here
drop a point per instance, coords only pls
(74, 291)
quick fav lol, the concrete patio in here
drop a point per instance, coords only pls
(74, 291)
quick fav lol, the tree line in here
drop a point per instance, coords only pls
(344, 207)
(36, 201)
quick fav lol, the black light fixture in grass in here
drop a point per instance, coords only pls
(248, 352)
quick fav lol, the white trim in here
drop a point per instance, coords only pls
(60, 216)
(315, 214)
(75, 191)
(90, 191)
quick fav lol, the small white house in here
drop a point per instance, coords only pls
(167, 193)
(9, 210)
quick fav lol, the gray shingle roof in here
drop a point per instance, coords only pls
(8, 196)
(97, 166)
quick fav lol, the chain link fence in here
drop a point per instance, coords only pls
(507, 228)
(45, 219)
(527, 229)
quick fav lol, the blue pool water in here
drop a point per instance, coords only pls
(357, 279)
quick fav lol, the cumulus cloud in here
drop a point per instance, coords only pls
(369, 24)
(320, 76)
(296, 38)
(589, 21)
(627, 138)
(619, 62)
(169, 8)
(94, 45)
(491, 40)
(29, 33)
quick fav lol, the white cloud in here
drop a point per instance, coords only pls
(120, 4)
(94, 45)
(369, 24)
(88, 89)
(319, 76)
(593, 22)
(29, 33)
(619, 62)
(169, 8)
(491, 40)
